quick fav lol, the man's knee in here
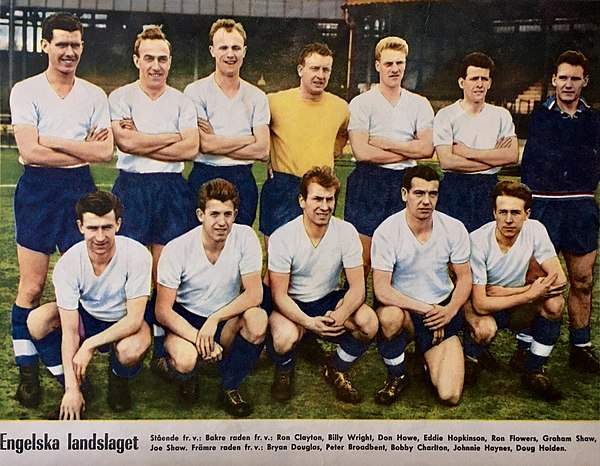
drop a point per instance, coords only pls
(43, 320)
(552, 308)
(483, 331)
(367, 324)
(30, 291)
(581, 281)
(254, 325)
(183, 356)
(131, 350)
(285, 334)
(391, 321)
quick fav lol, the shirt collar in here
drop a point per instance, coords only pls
(551, 104)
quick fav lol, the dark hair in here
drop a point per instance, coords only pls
(574, 58)
(323, 176)
(150, 32)
(512, 189)
(314, 47)
(477, 59)
(220, 190)
(227, 24)
(424, 172)
(64, 21)
(99, 203)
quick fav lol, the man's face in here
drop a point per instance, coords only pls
(476, 84)
(510, 215)
(99, 232)
(391, 67)
(64, 50)
(319, 204)
(568, 82)
(217, 219)
(314, 74)
(153, 62)
(421, 198)
(228, 50)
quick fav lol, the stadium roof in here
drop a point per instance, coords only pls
(315, 9)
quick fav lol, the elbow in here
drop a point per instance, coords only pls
(106, 154)
(189, 154)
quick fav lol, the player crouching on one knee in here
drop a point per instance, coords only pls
(102, 286)
(306, 258)
(200, 275)
(501, 253)
(413, 254)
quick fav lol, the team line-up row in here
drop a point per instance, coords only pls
(422, 274)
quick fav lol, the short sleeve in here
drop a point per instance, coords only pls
(507, 126)
(188, 118)
(101, 117)
(280, 259)
(139, 271)
(352, 247)
(22, 108)
(442, 130)
(119, 108)
(383, 256)
(543, 247)
(477, 260)
(65, 280)
(262, 113)
(359, 116)
(461, 247)
(425, 114)
(251, 260)
(170, 266)
(191, 92)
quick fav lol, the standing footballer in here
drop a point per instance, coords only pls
(61, 123)
(561, 165)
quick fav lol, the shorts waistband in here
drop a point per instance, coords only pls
(155, 175)
(245, 167)
(277, 174)
(55, 174)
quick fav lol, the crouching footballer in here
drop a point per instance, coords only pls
(209, 293)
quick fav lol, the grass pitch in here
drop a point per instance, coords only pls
(496, 396)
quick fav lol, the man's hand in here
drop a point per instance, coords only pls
(335, 315)
(95, 134)
(81, 360)
(544, 287)
(503, 143)
(205, 339)
(72, 405)
(205, 126)
(379, 142)
(216, 355)
(438, 317)
(128, 123)
(325, 326)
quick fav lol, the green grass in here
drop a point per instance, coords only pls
(496, 396)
